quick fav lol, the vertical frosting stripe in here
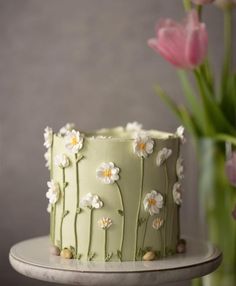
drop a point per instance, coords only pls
(139, 207)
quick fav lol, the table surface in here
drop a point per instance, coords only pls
(31, 258)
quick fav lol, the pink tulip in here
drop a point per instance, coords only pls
(230, 168)
(182, 44)
(202, 2)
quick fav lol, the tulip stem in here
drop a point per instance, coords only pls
(199, 11)
(187, 5)
(228, 49)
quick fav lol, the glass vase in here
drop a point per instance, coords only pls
(217, 198)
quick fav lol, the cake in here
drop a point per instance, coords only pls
(114, 194)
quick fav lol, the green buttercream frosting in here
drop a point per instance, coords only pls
(131, 233)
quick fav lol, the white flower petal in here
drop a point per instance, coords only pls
(73, 141)
(107, 173)
(134, 127)
(142, 145)
(68, 127)
(177, 190)
(48, 137)
(153, 202)
(162, 156)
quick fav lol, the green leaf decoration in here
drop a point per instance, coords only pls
(147, 248)
(65, 185)
(65, 213)
(158, 253)
(228, 98)
(72, 249)
(194, 105)
(79, 158)
(212, 109)
(141, 221)
(168, 101)
(91, 256)
(169, 251)
(225, 138)
(78, 256)
(119, 254)
(190, 122)
(78, 210)
(139, 252)
(120, 212)
(108, 257)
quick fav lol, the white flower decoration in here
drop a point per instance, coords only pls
(62, 161)
(134, 126)
(53, 192)
(153, 202)
(68, 127)
(48, 137)
(74, 141)
(180, 168)
(105, 222)
(177, 193)
(157, 223)
(143, 145)
(180, 133)
(47, 157)
(107, 173)
(49, 208)
(91, 201)
(162, 156)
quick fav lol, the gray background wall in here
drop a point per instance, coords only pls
(82, 61)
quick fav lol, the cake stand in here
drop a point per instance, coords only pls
(31, 258)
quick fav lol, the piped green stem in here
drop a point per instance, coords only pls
(139, 207)
(53, 222)
(161, 239)
(77, 203)
(178, 223)
(90, 231)
(145, 230)
(105, 244)
(123, 219)
(63, 206)
(52, 214)
(165, 206)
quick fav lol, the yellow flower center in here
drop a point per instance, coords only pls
(142, 146)
(74, 141)
(152, 202)
(107, 173)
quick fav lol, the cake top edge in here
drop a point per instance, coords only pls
(120, 133)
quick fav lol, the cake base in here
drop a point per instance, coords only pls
(32, 259)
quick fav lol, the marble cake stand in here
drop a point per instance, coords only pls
(31, 258)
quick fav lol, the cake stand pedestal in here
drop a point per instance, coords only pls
(31, 258)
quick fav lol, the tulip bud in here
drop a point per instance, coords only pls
(182, 44)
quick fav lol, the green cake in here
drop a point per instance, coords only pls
(114, 194)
